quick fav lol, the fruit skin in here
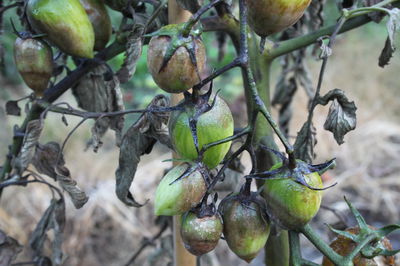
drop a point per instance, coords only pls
(180, 196)
(179, 74)
(245, 228)
(65, 24)
(201, 235)
(343, 246)
(34, 61)
(101, 22)
(266, 17)
(291, 204)
(214, 125)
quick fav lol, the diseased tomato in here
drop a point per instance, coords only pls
(291, 204)
(246, 229)
(182, 195)
(180, 74)
(200, 235)
(343, 246)
(271, 16)
(100, 20)
(34, 61)
(65, 24)
(214, 125)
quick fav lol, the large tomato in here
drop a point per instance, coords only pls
(270, 16)
(343, 246)
(65, 24)
(291, 204)
(214, 125)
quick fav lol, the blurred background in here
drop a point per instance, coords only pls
(106, 232)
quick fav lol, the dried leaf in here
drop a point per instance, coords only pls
(12, 108)
(392, 26)
(53, 218)
(375, 16)
(49, 161)
(305, 143)
(27, 151)
(386, 54)
(98, 91)
(342, 114)
(132, 54)
(78, 196)
(191, 5)
(9, 248)
(137, 141)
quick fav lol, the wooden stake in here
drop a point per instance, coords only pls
(181, 256)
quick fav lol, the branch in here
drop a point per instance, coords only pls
(291, 45)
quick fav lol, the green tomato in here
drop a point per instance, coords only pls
(101, 22)
(200, 235)
(245, 228)
(291, 204)
(214, 125)
(271, 16)
(180, 74)
(65, 24)
(34, 61)
(181, 196)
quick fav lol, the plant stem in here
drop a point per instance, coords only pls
(321, 245)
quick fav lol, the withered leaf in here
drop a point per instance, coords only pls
(392, 26)
(98, 92)
(27, 151)
(305, 143)
(49, 161)
(342, 114)
(9, 249)
(132, 54)
(375, 16)
(137, 141)
(12, 108)
(53, 218)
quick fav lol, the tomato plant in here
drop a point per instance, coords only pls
(199, 128)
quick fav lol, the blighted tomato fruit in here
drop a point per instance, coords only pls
(289, 203)
(181, 189)
(246, 229)
(175, 62)
(101, 22)
(211, 126)
(271, 16)
(34, 61)
(65, 24)
(344, 246)
(201, 234)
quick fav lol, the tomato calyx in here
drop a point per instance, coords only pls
(376, 245)
(176, 32)
(298, 173)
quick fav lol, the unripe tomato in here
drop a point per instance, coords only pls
(214, 125)
(343, 246)
(200, 235)
(291, 204)
(271, 16)
(34, 61)
(65, 24)
(179, 197)
(246, 229)
(180, 74)
(100, 20)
